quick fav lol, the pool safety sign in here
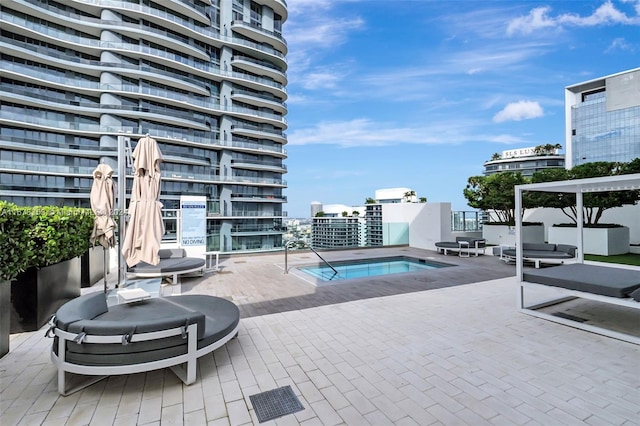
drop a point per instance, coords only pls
(193, 225)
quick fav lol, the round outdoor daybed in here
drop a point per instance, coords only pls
(173, 262)
(95, 340)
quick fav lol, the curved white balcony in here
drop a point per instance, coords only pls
(249, 198)
(265, 68)
(144, 12)
(253, 98)
(240, 180)
(278, 6)
(261, 35)
(32, 168)
(258, 165)
(255, 213)
(254, 131)
(256, 148)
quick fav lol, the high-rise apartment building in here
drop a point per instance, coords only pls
(524, 160)
(602, 119)
(337, 232)
(206, 79)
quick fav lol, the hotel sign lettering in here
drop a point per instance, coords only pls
(521, 152)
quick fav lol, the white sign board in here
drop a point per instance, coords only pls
(193, 225)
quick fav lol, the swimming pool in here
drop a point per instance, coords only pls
(370, 268)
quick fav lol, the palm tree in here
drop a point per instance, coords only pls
(408, 196)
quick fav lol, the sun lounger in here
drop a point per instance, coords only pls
(541, 253)
(92, 339)
(464, 246)
(173, 262)
(614, 285)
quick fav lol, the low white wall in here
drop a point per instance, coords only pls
(430, 224)
(628, 216)
(506, 235)
(602, 241)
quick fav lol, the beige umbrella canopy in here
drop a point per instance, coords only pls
(145, 228)
(102, 199)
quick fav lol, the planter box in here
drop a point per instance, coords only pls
(5, 317)
(634, 249)
(92, 266)
(36, 294)
(506, 235)
(600, 241)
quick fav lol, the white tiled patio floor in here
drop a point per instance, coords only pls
(449, 356)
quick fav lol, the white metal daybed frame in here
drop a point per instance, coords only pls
(578, 187)
(184, 366)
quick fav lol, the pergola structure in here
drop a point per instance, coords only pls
(579, 187)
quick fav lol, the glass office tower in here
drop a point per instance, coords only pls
(603, 119)
(206, 79)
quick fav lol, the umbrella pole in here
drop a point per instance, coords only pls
(122, 195)
(105, 269)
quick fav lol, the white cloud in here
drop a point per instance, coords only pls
(540, 18)
(620, 44)
(362, 132)
(521, 110)
(320, 80)
(323, 32)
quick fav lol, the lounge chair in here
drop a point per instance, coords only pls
(464, 246)
(173, 262)
(95, 340)
(541, 253)
(608, 284)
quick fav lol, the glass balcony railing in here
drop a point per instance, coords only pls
(466, 221)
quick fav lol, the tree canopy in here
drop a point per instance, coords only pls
(495, 193)
(594, 203)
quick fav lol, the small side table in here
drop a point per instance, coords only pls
(464, 249)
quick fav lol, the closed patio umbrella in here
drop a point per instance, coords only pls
(102, 198)
(145, 227)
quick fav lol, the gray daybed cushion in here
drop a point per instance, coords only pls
(543, 251)
(169, 264)
(603, 280)
(90, 306)
(215, 317)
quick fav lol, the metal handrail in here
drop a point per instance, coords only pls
(286, 252)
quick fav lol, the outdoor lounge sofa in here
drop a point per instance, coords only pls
(464, 246)
(173, 262)
(539, 253)
(92, 339)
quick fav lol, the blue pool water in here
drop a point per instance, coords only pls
(370, 268)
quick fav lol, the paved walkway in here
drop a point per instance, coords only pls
(437, 355)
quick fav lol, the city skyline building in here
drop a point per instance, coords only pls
(206, 79)
(602, 119)
(524, 160)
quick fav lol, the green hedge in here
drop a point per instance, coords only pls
(41, 236)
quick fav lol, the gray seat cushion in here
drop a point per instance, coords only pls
(216, 318)
(167, 265)
(539, 254)
(603, 280)
(84, 307)
(447, 244)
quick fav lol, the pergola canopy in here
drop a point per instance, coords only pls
(575, 186)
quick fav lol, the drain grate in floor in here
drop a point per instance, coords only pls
(568, 316)
(275, 403)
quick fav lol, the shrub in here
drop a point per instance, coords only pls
(16, 244)
(41, 236)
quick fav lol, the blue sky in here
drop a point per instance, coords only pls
(419, 94)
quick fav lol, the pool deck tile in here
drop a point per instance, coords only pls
(448, 348)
